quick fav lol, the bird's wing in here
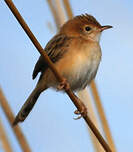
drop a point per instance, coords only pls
(55, 49)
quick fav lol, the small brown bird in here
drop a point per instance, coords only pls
(76, 54)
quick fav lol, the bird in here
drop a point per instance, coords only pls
(76, 54)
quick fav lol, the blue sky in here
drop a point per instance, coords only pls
(50, 126)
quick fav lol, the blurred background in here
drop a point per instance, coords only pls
(50, 126)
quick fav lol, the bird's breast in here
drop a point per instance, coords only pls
(80, 66)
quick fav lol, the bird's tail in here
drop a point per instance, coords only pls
(27, 107)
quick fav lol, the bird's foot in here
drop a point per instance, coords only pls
(63, 85)
(82, 112)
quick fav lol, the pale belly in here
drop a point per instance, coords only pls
(82, 77)
(82, 72)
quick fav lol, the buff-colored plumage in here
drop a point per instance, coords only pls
(76, 53)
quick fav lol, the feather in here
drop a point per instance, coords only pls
(55, 49)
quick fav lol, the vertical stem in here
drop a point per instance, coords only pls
(53, 10)
(4, 139)
(84, 95)
(68, 9)
(17, 130)
(60, 12)
(102, 116)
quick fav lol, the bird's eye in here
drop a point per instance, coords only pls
(87, 28)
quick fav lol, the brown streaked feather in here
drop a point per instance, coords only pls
(88, 19)
(55, 49)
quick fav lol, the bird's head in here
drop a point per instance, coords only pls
(85, 26)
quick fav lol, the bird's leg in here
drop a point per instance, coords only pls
(83, 110)
(63, 85)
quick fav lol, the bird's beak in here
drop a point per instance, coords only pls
(105, 27)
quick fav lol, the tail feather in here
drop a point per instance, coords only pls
(27, 107)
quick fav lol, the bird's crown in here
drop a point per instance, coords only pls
(88, 19)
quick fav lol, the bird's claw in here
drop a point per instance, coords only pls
(82, 112)
(63, 85)
(77, 113)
